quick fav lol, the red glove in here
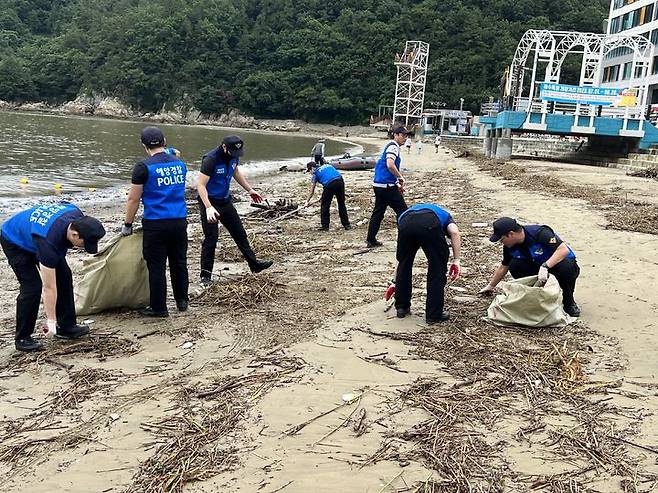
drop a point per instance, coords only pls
(256, 197)
(455, 270)
(389, 292)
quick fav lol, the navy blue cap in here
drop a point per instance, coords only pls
(501, 227)
(90, 230)
(400, 130)
(152, 137)
(234, 145)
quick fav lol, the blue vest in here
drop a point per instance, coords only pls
(538, 252)
(325, 174)
(219, 184)
(37, 220)
(164, 190)
(171, 151)
(443, 215)
(382, 174)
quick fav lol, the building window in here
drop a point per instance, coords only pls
(628, 67)
(654, 69)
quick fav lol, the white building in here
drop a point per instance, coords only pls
(631, 17)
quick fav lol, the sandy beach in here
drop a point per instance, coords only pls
(298, 380)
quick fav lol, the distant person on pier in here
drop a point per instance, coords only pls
(317, 153)
(159, 183)
(437, 143)
(419, 146)
(333, 185)
(218, 168)
(407, 144)
(35, 242)
(388, 184)
(535, 250)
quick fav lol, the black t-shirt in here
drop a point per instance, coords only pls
(208, 163)
(140, 174)
(544, 236)
(52, 249)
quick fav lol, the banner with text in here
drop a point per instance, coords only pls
(600, 96)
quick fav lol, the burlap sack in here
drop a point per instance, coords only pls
(116, 277)
(524, 303)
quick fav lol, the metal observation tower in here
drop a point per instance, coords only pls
(410, 83)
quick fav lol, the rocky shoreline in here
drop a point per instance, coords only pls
(111, 107)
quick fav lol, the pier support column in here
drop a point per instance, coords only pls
(504, 145)
(494, 143)
(486, 146)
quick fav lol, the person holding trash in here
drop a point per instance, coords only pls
(425, 226)
(159, 182)
(218, 168)
(317, 153)
(35, 242)
(333, 185)
(388, 185)
(531, 250)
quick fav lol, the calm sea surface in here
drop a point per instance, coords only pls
(55, 154)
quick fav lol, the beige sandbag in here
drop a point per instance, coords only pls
(524, 303)
(116, 277)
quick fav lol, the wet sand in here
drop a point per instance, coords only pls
(315, 330)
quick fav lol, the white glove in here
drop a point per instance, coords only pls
(50, 329)
(126, 229)
(488, 289)
(542, 276)
(212, 215)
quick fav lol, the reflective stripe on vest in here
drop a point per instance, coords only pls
(34, 221)
(164, 191)
(383, 176)
(538, 252)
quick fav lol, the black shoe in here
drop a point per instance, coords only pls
(28, 345)
(573, 309)
(403, 312)
(206, 282)
(261, 265)
(150, 312)
(323, 228)
(74, 332)
(373, 244)
(182, 305)
(347, 227)
(431, 321)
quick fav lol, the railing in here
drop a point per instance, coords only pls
(539, 106)
(490, 109)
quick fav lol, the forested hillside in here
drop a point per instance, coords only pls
(320, 60)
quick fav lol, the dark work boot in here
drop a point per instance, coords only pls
(150, 312)
(261, 265)
(182, 305)
(323, 228)
(431, 321)
(74, 332)
(373, 244)
(573, 309)
(403, 312)
(28, 345)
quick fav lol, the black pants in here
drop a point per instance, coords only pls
(318, 159)
(166, 239)
(566, 273)
(384, 197)
(337, 188)
(422, 229)
(230, 219)
(26, 267)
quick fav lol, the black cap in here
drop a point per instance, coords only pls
(234, 145)
(400, 130)
(152, 137)
(501, 227)
(90, 230)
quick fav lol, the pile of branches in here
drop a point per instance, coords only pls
(277, 209)
(243, 293)
(645, 173)
(82, 385)
(189, 450)
(265, 243)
